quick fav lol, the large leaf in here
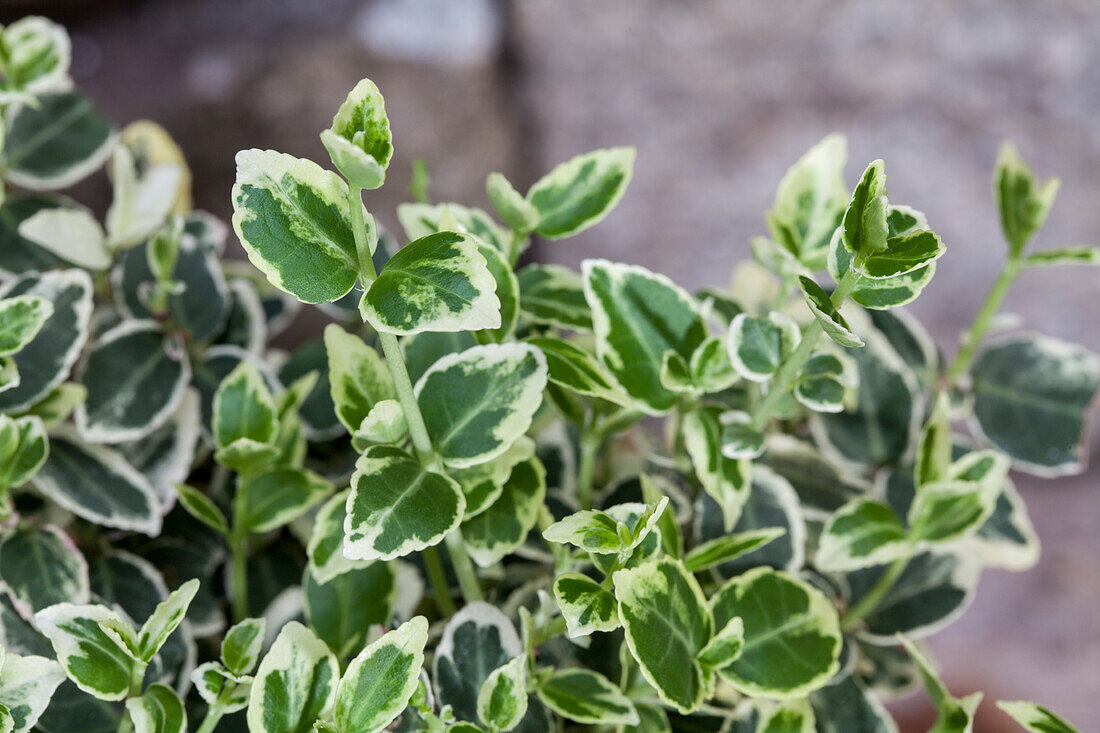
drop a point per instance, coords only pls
(587, 697)
(42, 566)
(440, 282)
(55, 142)
(135, 381)
(666, 621)
(396, 506)
(477, 403)
(504, 526)
(638, 316)
(26, 686)
(379, 682)
(45, 361)
(295, 683)
(579, 193)
(476, 640)
(97, 484)
(792, 634)
(93, 644)
(293, 219)
(1031, 397)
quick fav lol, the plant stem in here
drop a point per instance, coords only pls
(973, 336)
(418, 431)
(878, 591)
(788, 372)
(555, 627)
(438, 579)
(213, 717)
(137, 680)
(238, 553)
(590, 446)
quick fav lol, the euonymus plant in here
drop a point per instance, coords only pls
(489, 498)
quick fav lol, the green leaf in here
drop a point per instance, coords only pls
(21, 318)
(730, 547)
(860, 534)
(587, 697)
(343, 609)
(740, 440)
(821, 394)
(55, 142)
(1031, 395)
(666, 621)
(241, 646)
(476, 640)
(478, 402)
(579, 193)
(420, 220)
(26, 685)
(359, 140)
(379, 682)
(864, 228)
(792, 634)
(440, 282)
(846, 705)
(244, 408)
(397, 506)
(45, 362)
(199, 506)
(586, 605)
(159, 710)
(23, 449)
(17, 254)
(135, 380)
(757, 346)
(37, 54)
(725, 646)
(955, 715)
(97, 484)
(822, 486)
(810, 200)
(326, 543)
(1063, 256)
(711, 368)
(588, 529)
(502, 700)
(511, 207)
(165, 618)
(638, 316)
(93, 644)
(554, 295)
(295, 683)
(572, 367)
(934, 449)
(1021, 200)
(836, 327)
(278, 496)
(501, 528)
(903, 254)
(384, 424)
(727, 480)
(944, 511)
(794, 716)
(213, 681)
(1035, 717)
(293, 218)
(358, 379)
(41, 566)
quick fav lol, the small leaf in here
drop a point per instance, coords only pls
(21, 318)
(478, 402)
(94, 645)
(579, 193)
(864, 228)
(511, 207)
(730, 547)
(159, 710)
(586, 697)
(326, 543)
(934, 450)
(396, 506)
(1036, 718)
(727, 480)
(293, 218)
(241, 646)
(143, 198)
(439, 282)
(379, 682)
(476, 640)
(505, 524)
(165, 618)
(359, 140)
(757, 346)
(725, 646)
(572, 367)
(199, 506)
(586, 605)
(385, 424)
(1063, 256)
(295, 683)
(1022, 201)
(215, 683)
(502, 700)
(358, 379)
(860, 534)
(794, 716)
(740, 440)
(903, 254)
(24, 447)
(589, 529)
(38, 52)
(836, 327)
(944, 511)
(244, 408)
(955, 715)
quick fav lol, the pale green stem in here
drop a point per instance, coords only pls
(973, 336)
(590, 447)
(418, 431)
(789, 370)
(238, 574)
(137, 679)
(438, 579)
(878, 592)
(216, 711)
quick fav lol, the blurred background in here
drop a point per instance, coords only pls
(719, 97)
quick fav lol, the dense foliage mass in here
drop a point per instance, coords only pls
(456, 511)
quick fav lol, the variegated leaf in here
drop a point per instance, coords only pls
(554, 295)
(55, 142)
(860, 534)
(95, 645)
(359, 140)
(727, 480)
(26, 685)
(1036, 718)
(21, 318)
(158, 710)
(379, 682)
(295, 684)
(505, 524)
(586, 697)
(579, 193)
(502, 700)
(42, 566)
(586, 605)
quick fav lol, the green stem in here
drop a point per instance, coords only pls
(878, 591)
(973, 336)
(438, 579)
(590, 447)
(789, 370)
(238, 574)
(555, 627)
(137, 680)
(214, 715)
(418, 431)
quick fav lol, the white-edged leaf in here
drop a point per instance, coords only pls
(42, 566)
(158, 710)
(168, 615)
(502, 699)
(1036, 718)
(836, 327)
(860, 534)
(586, 697)
(26, 685)
(757, 346)
(379, 682)
(295, 684)
(579, 193)
(586, 605)
(727, 480)
(94, 645)
(359, 140)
